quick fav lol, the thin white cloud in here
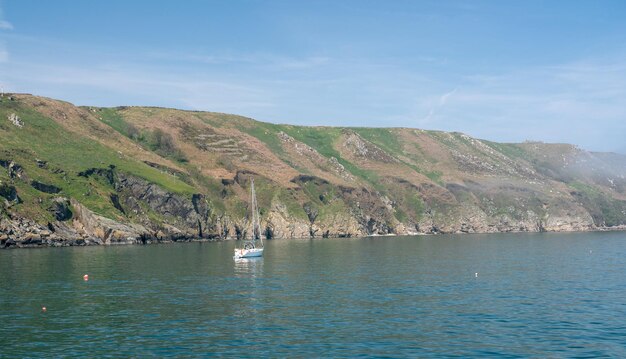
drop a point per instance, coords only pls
(580, 103)
(134, 86)
(435, 108)
(444, 98)
(5, 25)
(302, 63)
(429, 116)
(262, 60)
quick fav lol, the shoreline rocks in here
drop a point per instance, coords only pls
(360, 213)
(87, 228)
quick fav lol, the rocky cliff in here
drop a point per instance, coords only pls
(82, 175)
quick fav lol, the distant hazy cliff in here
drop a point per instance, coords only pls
(83, 175)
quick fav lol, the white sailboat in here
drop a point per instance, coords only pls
(252, 247)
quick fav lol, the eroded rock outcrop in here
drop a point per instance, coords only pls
(14, 170)
(16, 120)
(45, 187)
(109, 231)
(61, 209)
(279, 224)
(9, 193)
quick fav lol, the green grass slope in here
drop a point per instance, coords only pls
(385, 176)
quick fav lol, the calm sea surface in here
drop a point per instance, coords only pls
(539, 295)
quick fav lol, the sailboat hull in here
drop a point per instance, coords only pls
(254, 246)
(248, 253)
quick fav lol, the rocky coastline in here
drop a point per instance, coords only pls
(74, 176)
(192, 218)
(24, 233)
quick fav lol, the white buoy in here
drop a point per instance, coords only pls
(86, 277)
(43, 309)
(476, 275)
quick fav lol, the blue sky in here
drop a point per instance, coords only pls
(500, 70)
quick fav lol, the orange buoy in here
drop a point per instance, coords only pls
(86, 277)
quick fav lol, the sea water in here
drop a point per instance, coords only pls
(507, 295)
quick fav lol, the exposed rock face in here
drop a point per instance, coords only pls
(44, 187)
(107, 173)
(339, 225)
(15, 171)
(8, 192)
(21, 232)
(183, 217)
(567, 219)
(190, 216)
(109, 231)
(280, 225)
(304, 151)
(15, 120)
(60, 209)
(365, 149)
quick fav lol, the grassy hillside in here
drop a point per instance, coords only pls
(50, 153)
(385, 179)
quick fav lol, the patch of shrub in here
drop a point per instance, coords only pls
(163, 144)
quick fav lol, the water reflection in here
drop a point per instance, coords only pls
(249, 267)
(249, 272)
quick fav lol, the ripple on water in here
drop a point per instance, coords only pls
(537, 295)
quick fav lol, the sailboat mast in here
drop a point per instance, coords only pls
(254, 212)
